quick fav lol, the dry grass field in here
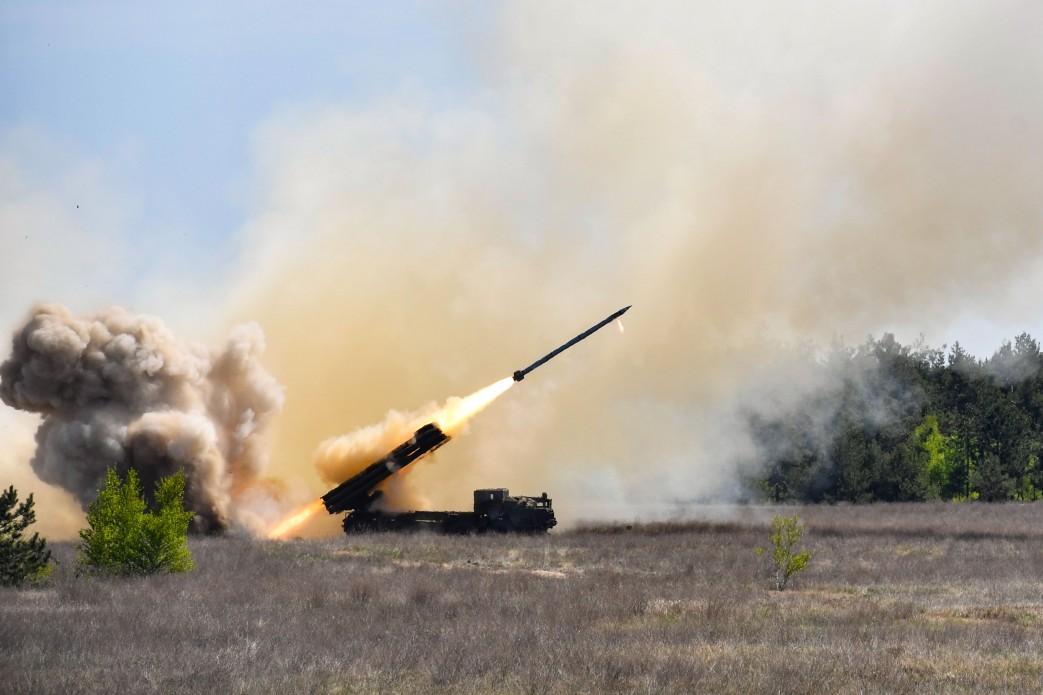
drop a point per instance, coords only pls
(898, 599)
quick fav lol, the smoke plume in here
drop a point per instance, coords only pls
(746, 180)
(118, 390)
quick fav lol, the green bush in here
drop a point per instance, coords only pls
(124, 537)
(20, 559)
(786, 532)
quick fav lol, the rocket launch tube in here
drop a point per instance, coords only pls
(520, 374)
(358, 491)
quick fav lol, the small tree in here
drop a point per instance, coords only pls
(20, 559)
(123, 537)
(164, 542)
(786, 532)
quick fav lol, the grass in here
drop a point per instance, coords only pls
(897, 599)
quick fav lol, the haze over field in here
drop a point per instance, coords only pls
(407, 229)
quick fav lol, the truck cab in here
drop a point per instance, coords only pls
(496, 510)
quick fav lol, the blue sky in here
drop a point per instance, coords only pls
(168, 94)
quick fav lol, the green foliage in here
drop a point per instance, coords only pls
(1029, 485)
(900, 423)
(124, 537)
(935, 449)
(992, 480)
(21, 559)
(42, 574)
(165, 533)
(786, 533)
(114, 522)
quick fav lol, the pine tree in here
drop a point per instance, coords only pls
(124, 537)
(20, 559)
(164, 541)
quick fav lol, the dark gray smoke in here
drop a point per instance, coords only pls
(120, 390)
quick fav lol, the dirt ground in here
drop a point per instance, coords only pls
(897, 599)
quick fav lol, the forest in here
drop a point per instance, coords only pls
(906, 423)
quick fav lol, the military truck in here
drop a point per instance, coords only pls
(495, 510)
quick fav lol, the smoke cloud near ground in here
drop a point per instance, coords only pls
(119, 390)
(746, 181)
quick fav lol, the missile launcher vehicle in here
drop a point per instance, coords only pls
(494, 509)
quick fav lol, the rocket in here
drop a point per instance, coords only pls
(520, 374)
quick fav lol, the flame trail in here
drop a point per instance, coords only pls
(457, 411)
(282, 530)
(619, 322)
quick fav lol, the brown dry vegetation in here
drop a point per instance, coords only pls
(898, 598)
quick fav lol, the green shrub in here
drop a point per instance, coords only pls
(786, 532)
(20, 559)
(124, 537)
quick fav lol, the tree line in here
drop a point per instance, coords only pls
(905, 423)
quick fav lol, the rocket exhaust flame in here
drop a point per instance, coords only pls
(294, 521)
(457, 411)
